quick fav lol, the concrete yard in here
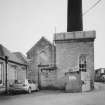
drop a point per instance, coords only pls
(96, 97)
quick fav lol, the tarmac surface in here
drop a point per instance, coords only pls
(45, 97)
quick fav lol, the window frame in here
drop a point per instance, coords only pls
(83, 63)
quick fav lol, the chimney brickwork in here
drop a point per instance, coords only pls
(74, 16)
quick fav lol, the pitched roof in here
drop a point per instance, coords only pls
(5, 52)
(21, 56)
(39, 44)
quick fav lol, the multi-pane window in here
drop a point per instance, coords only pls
(82, 63)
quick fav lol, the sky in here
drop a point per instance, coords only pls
(24, 22)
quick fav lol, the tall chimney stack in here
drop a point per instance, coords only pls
(74, 16)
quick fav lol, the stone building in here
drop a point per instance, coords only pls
(16, 68)
(42, 53)
(72, 54)
(75, 52)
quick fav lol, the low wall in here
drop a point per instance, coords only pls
(73, 82)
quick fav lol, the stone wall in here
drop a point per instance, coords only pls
(40, 54)
(69, 47)
(67, 55)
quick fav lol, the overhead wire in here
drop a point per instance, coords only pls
(94, 5)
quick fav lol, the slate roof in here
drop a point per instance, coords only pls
(39, 43)
(21, 57)
(5, 52)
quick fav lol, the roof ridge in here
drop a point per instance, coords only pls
(42, 38)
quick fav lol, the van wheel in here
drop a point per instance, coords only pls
(29, 90)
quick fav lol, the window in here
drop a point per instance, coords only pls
(1, 73)
(82, 63)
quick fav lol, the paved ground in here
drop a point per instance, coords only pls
(96, 97)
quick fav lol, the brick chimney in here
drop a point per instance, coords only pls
(74, 16)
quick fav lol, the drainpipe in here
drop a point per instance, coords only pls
(6, 68)
(54, 52)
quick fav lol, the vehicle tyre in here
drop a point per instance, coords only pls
(29, 90)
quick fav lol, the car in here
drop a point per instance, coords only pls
(102, 78)
(26, 85)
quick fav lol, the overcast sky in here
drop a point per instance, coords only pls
(24, 22)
